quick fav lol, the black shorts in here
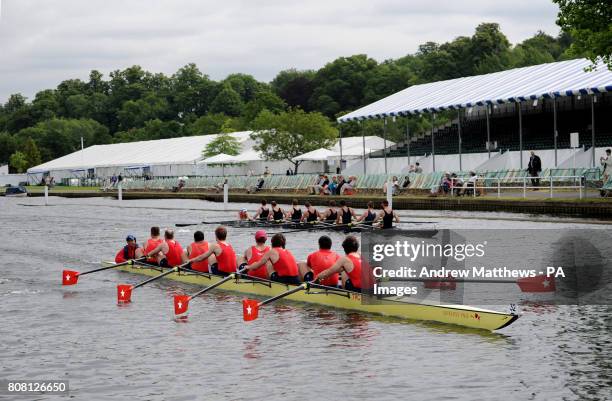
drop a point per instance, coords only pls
(214, 269)
(295, 280)
(350, 287)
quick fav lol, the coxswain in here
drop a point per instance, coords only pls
(295, 213)
(222, 260)
(277, 214)
(152, 243)
(349, 266)
(243, 215)
(345, 213)
(331, 214)
(128, 252)
(319, 261)
(280, 262)
(369, 216)
(311, 214)
(263, 212)
(255, 253)
(196, 248)
(387, 215)
(169, 253)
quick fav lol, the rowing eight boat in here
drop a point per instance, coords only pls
(460, 315)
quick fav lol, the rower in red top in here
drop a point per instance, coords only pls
(128, 251)
(151, 244)
(243, 215)
(169, 253)
(319, 261)
(255, 253)
(349, 266)
(196, 248)
(221, 256)
(280, 262)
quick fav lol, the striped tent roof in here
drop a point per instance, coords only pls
(563, 78)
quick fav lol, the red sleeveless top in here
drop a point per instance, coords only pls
(355, 274)
(286, 264)
(174, 253)
(150, 245)
(197, 249)
(322, 260)
(226, 262)
(256, 255)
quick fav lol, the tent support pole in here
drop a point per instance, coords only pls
(363, 149)
(555, 134)
(488, 130)
(520, 119)
(340, 163)
(433, 145)
(385, 142)
(408, 142)
(593, 130)
(459, 137)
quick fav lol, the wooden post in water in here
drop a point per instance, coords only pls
(120, 192)
(225, 195)
(46, 195)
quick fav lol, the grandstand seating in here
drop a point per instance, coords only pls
(573, 115)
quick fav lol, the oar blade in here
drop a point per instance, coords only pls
(70, 277)
(541, 283)
(181, 304)
(250, 309)
(124, 294)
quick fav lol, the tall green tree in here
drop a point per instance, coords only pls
(589, 22)
(31, 153)
(294, 87)
(19, 162)
(227, 101)
(223, 143)
(289, 134)
(7, 147)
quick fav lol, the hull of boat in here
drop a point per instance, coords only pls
(460, 315)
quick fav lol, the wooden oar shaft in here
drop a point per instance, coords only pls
(110, 267)
(174, 269)
(218, 283)
(300, 287)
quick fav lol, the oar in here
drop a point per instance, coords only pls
(250, 307)
(70, 277)
(225, 222)
(124, 291)
(181, 302)
(540, 283)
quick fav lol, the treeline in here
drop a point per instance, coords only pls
(134, 104)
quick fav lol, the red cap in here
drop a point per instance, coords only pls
(261, 234)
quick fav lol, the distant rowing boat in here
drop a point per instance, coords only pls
(459, 315)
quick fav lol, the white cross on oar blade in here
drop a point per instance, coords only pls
(249, 309)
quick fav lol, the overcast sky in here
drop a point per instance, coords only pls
(43, 42)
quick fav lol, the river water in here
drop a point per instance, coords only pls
(293, 352)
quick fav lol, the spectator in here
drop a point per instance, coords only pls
(341, 182)
(412, 169)
(457, 184)
(348, 187)
(606, 164)
(258, 187)
(446, 183)
(470, 186)
(333, 186)
(266, 172)
(417, 168)
(318, 187)
(119, 179)
(394, 186)
(534, 167)
(406, 183)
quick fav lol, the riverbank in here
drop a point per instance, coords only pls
(560, 206)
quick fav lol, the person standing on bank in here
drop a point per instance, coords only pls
(606, 164)
(534, 168)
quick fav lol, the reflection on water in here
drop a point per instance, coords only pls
(292, 352)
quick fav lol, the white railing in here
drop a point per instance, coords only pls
(577, 182)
